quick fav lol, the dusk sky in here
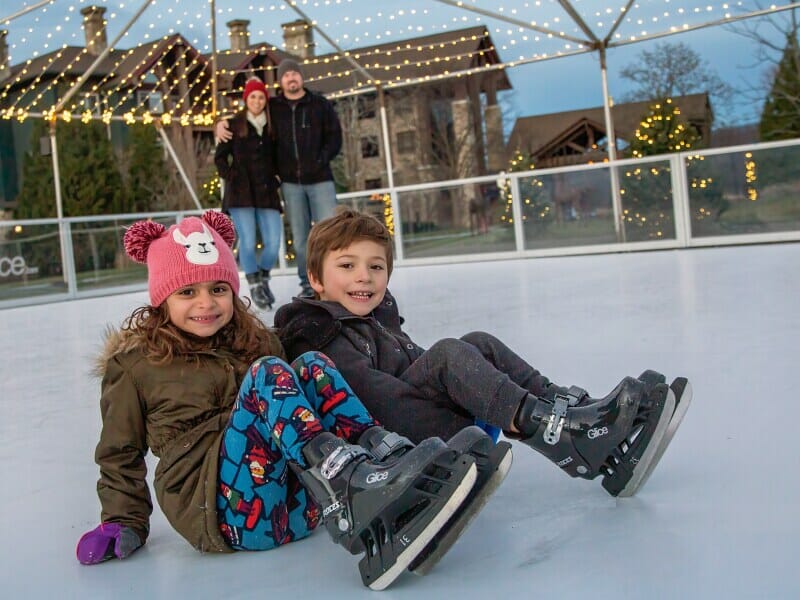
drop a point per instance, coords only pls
(540, 87)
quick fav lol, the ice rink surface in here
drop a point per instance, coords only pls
(719, 518)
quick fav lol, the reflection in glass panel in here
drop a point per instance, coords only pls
(566, 209)
(646, 194)
(745, 192)
(30, 261)
(99, 254)
(455, 220)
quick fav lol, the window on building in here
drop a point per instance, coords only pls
(366, 106)
(150, 100)
(369, 146)
(403, 109)
(373, 184)
(92, 103)
(406, 142)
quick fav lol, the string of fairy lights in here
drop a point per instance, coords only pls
(160, 61)
(352, 23)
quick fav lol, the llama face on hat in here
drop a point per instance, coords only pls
(200, 246)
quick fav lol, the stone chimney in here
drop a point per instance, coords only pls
(94, 28)
(298, 38)
(239, 34)
(5, 70)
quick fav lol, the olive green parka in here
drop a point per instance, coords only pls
(179, 412)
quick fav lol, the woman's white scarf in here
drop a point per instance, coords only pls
(258, 121)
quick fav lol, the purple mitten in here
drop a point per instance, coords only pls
(106, 541)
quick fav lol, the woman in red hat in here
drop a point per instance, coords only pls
(247, 165)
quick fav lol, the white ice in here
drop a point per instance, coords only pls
(717, 519)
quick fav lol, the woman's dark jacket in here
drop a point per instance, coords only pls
(308, 136)
(247, 164)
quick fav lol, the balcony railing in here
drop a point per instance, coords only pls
(738, 195)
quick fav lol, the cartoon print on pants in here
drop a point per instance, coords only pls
(305, 424)
(279, 517)
(251, 510)
(259, 457)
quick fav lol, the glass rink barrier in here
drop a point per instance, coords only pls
(735, 195)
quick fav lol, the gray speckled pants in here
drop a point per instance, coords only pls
(474, 377)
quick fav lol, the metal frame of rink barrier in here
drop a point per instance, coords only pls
(736, 195)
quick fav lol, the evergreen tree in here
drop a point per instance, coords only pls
(36, 199)
(662, 130)
(90, 181)
(90, 185)
(646, 190)
(146, 175)
(780, 118)
(537, 208)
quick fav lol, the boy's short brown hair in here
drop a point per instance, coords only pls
(339, 231)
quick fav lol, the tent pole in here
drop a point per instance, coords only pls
(616, 199)
(171, 150)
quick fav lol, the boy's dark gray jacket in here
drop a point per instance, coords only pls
(372, 353)
(307, 138)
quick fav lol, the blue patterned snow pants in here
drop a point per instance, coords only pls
(261, 503)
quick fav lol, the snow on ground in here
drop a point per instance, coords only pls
(718, 518)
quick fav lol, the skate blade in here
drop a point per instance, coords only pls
(418, 545)
(646, 460)
(682, 403)
(460, 522)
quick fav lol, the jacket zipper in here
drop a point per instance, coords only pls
(294, 141)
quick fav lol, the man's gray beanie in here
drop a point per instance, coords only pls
(287, 64)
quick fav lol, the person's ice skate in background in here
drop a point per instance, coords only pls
(475, 379)
(253, 452)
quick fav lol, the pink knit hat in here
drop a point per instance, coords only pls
(191, 251)
(254, 84)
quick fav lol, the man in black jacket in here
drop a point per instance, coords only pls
(308, 136)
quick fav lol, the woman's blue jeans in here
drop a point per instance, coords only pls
(269, 225)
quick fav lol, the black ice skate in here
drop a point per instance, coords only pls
(257, 291)
(682, 390)
(493, 462)
(268, 295)
(616, 436)
(389, 511)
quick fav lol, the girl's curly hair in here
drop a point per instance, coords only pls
(245, 337)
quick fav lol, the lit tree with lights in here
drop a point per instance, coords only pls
(647, 189)
(537, 210)
(662, 130)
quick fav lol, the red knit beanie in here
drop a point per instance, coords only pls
(254, 84)
(192, 251)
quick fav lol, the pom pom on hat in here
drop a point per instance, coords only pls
(287, 64)
(254, 84)
(139, 237)
(189, 252)
(222, 225)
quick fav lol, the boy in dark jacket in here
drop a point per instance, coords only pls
(418, 393)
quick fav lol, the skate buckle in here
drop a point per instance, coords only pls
(555, 422)
(389, 444)
(338, 459)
